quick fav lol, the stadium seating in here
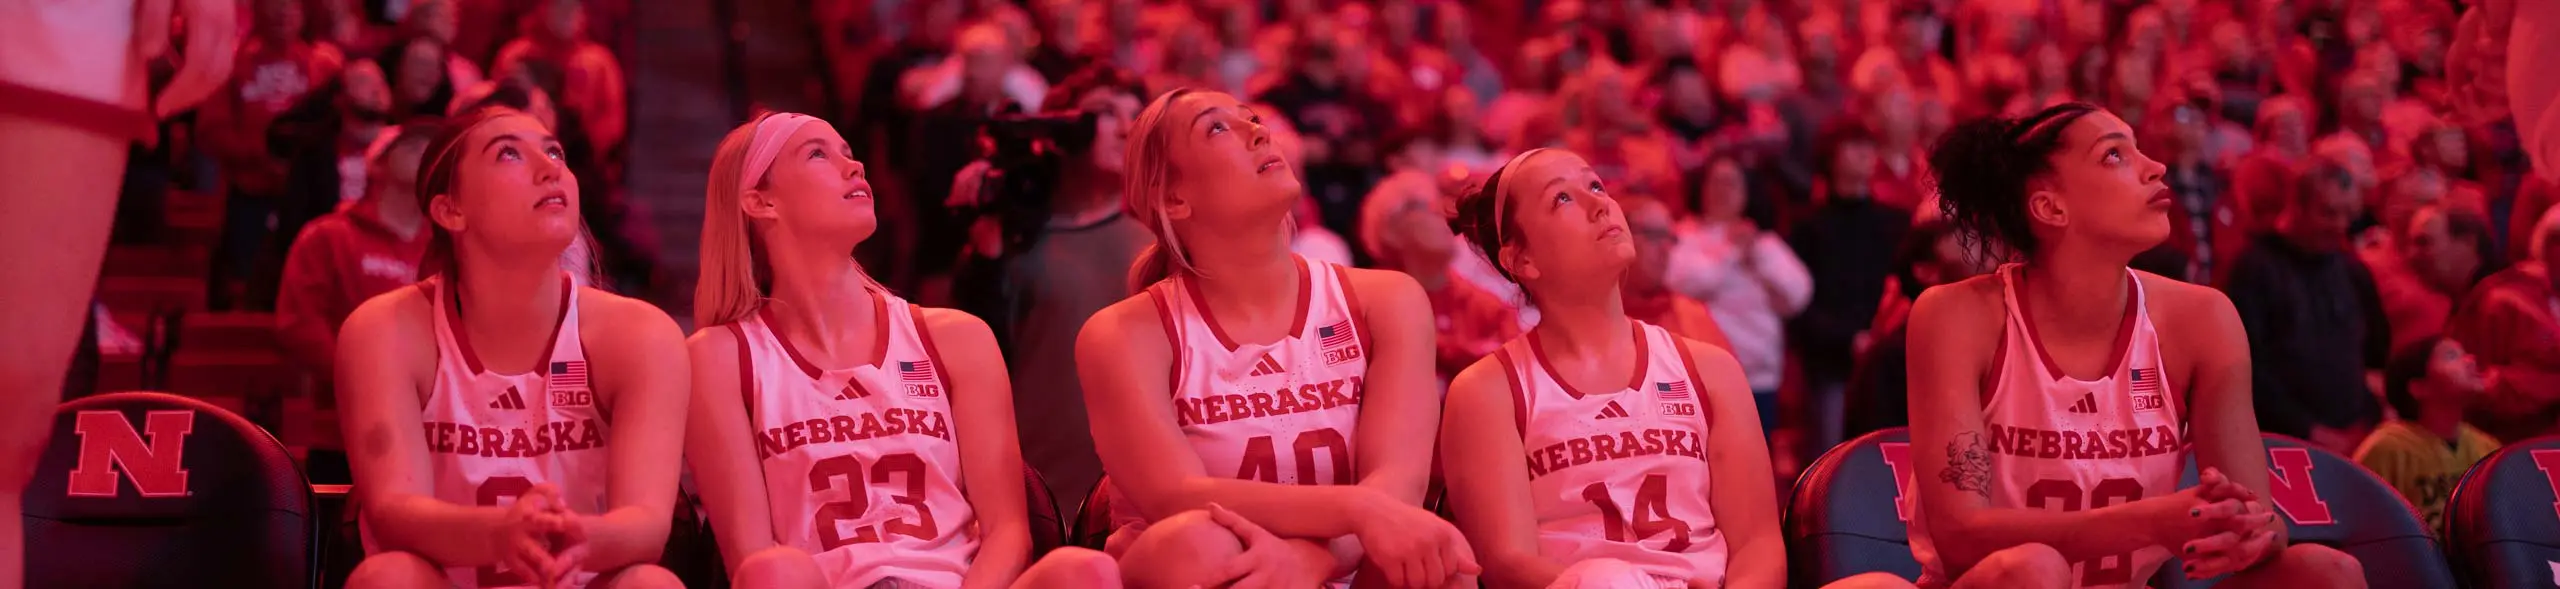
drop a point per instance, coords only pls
(1048, 529)
(2327, 499)
(1841, 518)
(157, 490)
(2502, 526)
(1093, 518)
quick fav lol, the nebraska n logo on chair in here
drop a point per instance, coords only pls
(108, 443)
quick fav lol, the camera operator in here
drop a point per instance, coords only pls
(1049, 247)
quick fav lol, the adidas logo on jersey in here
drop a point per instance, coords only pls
(1267, 365)
(2088, 403)
(512, 399)
(852, 392)
(1613, 411)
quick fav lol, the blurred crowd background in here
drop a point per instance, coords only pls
(2346, 170)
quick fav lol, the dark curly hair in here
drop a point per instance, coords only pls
(1982, 167)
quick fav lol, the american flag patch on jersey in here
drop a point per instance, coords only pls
(1672, 390)
(567, 375)
(2146, 380)
(920, 371)
(1338, 343)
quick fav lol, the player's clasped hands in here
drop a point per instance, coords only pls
(1268, 562)
(541, 537)
(2228, 527)
(1414, 547)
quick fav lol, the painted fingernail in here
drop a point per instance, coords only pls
(2197, 512)
(2191, 549)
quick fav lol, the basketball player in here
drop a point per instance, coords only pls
(73, 103)
(1626, 428)
(2010, 370)
(549, 411)
(831, 443)
(1246, 377)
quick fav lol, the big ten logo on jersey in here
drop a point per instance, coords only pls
(1676, 399)
(920, 379)
(1339, 344)
(576, 398)
(109, 444)
(2147, 392)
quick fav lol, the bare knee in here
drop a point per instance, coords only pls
(2024, 565)
(1071, 567)
(395, 569)
(2313, 565)
(1180, 551)
(1872, 581)
(778, 566)
(639, 576)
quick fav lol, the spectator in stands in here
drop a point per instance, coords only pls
(276, 69)
(2202, 227)
(425, 76)
(1602, 123)
(323, 141)
(2424, 452)
(1933, 253)
(2440, 252)
(2314, 320)
(343, 258)
(1847, 245)
(1339, 121)
(2509, 323)
(949, 99)
(2264, 178)
(1747, 277)
(1893, 115)
(1403, 229)
(1645, 292)
(1910, 59)
(581, 73)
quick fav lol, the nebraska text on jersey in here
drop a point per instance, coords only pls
(848, 428)
(1210, 409)
(513, 442)
(1604, 447)
(2024, 442)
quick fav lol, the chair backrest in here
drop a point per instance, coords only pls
(158, 490)
(1093, 518)
(2330, 500)
(1048, 529)
(2502, 525)
(1844, 516)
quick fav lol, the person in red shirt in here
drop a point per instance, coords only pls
(363, 249)
(276, 69)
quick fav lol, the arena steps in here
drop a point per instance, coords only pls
(144, 294)
(228, 331)
(172, 261)
(207, 373)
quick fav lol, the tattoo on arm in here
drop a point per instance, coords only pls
(1968, 465)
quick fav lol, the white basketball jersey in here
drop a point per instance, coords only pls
(1622, 473)
(491, 437)
(861, 468)
(1279, 413)
(2065, 444)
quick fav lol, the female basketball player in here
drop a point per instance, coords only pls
(1249, 378)
(830, 441)
(2050, 400)
(1659, 410)
(548, 410)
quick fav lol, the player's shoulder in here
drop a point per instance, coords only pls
(1385, 290)
(1121, 323)
(1974, 299)
(953, 326)
(1487, 375)
(400, 311)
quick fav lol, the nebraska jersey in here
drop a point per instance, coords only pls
(1621, 473)
(860, 467)
(491, 437)
(1282, 412)
(2065, 444)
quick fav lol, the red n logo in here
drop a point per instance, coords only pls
(108, 442)
(1898, 456)
(2549, 460)
(2290, 484)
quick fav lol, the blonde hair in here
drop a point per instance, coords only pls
(735, 276)
(1147, 184)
